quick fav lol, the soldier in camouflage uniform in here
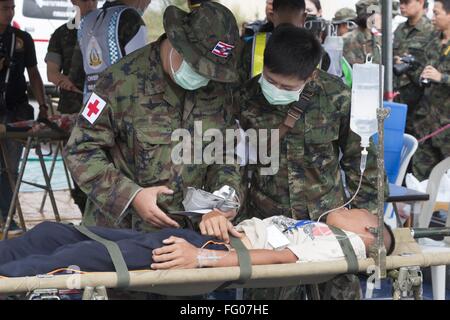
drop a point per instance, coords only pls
(411, 38)
(342, 19)
(435, 103)
(282, 11)
(59, 61)
(308, 182)
(122, 159)
(360, 42)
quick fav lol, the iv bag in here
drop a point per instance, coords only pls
(334, 46)
(365, 100)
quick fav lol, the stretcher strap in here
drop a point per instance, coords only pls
(347, 248)
(245, 263)
(123, 276)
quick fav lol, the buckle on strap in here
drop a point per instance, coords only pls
(306, 94)
(292, 116)
(295, 113)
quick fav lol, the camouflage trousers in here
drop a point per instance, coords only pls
(344, 287)
(428, 155)
(431, 151)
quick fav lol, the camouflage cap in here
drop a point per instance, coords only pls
(206, 38)
(344, 15)
(363, 5)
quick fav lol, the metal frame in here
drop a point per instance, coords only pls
(30, 143)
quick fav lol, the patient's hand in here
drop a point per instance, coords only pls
(216, 224)
(176, 254)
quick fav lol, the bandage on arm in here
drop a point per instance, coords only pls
(216, 258)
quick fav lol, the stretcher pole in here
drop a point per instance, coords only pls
(430, 232)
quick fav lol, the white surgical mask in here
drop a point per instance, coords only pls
(276, 96)
(186, 77)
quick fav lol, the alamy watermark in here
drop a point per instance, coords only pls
(234, 146)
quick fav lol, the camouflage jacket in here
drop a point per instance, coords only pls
(60, 51)
(412, 40)
(435, 104)
(357, 44)
(129, 146)
(309, 181)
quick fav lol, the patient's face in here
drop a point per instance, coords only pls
(357, 221)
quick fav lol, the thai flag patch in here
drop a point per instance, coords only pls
(222, 49)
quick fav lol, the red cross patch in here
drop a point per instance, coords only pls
(93, 108)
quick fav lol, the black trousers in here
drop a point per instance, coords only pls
(50, 246)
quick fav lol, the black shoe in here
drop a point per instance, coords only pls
(14, 229)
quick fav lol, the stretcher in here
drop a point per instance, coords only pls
(187, 282)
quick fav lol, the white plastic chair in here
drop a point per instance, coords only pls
(424, 219)
(410, 145)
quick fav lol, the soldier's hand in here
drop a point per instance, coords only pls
(66, 84)
(397, 60)
(216, 224)
(43, 111)
(431, 73)
(145, 203)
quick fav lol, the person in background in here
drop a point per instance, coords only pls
(359, 43)
(313, 8)
(17, 53)
(344, 21)
(281, 12)
(436, 98)
(411, 39)
(59, 61)
(97, 49)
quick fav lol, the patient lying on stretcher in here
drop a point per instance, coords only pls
(51, 246)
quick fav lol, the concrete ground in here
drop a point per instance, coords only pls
(31, 202)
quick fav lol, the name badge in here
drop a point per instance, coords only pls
(276, 238)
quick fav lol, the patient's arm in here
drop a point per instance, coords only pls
(180, 254)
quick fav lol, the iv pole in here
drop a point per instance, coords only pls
(378, 250)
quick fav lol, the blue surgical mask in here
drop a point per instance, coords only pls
(276, 96)
(186, 77)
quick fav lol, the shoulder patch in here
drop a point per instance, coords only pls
(93, 108)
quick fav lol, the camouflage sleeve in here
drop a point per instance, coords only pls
(76, 66)
(433, 50)
(396, 44)
(219, 175)
(88, 153)
(446, 79)
(245, 61)
(348, 51)
(55, 50)
(349, 143)
(421, 55)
